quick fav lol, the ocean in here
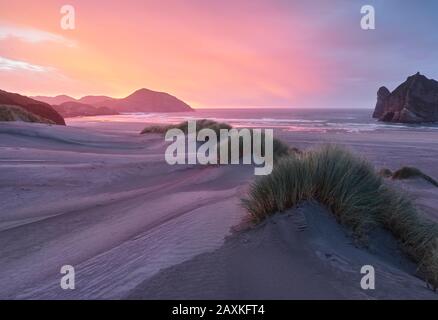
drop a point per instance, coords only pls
(308, 120)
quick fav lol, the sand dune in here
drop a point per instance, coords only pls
(102, 199)
(301, 254)
(77, 206)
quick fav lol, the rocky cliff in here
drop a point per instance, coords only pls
(414, 101)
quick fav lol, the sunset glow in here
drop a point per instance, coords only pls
(209, 54)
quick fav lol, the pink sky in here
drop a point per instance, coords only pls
(208, 53)
(241, 56)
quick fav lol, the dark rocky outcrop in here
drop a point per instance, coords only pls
(382, 94)
(38, 108)
(414, 101)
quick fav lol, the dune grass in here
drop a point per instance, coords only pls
(200, 124)
(154, 129)
(357, 196)
(411, 172)
(280, 149)
(17, 113)
(385, 172)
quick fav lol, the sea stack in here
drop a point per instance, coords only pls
(414, 101)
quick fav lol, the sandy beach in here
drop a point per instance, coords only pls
(100, 197)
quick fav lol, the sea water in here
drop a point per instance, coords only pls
(287, 119)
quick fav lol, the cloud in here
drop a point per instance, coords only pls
(13, 65)
(32, 35)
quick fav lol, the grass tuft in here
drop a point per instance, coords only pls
(357, 196)
(200, 124)
(411, 172)
(17, 113)
(385, 172)
(154, 129)
(280, 149)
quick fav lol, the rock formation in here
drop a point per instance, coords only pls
(382, 94)
(414, 101)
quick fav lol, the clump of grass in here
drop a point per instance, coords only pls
(417, 235)
(154, 129)
(280, 149)
(345, 184)
(385, 172)
(351, 189)
(411, 172)
(430, 267)
(200, 124)
(17, 113)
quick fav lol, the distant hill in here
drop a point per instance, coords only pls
(38, 108)
(77, 109)
(16, 113)
(142, 100)
(54, 100)
(145, 100)
(93, 99)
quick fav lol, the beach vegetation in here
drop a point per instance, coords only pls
(17, 113)
(200, 124)
(280, 148)
(349, 187)
(412, 172)
(385, 172)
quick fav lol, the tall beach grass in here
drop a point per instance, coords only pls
(350, 188)
(280, 149)
(200, 124)
(411, 172)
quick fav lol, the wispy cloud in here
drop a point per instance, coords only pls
(13, 65)
(32, 35)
